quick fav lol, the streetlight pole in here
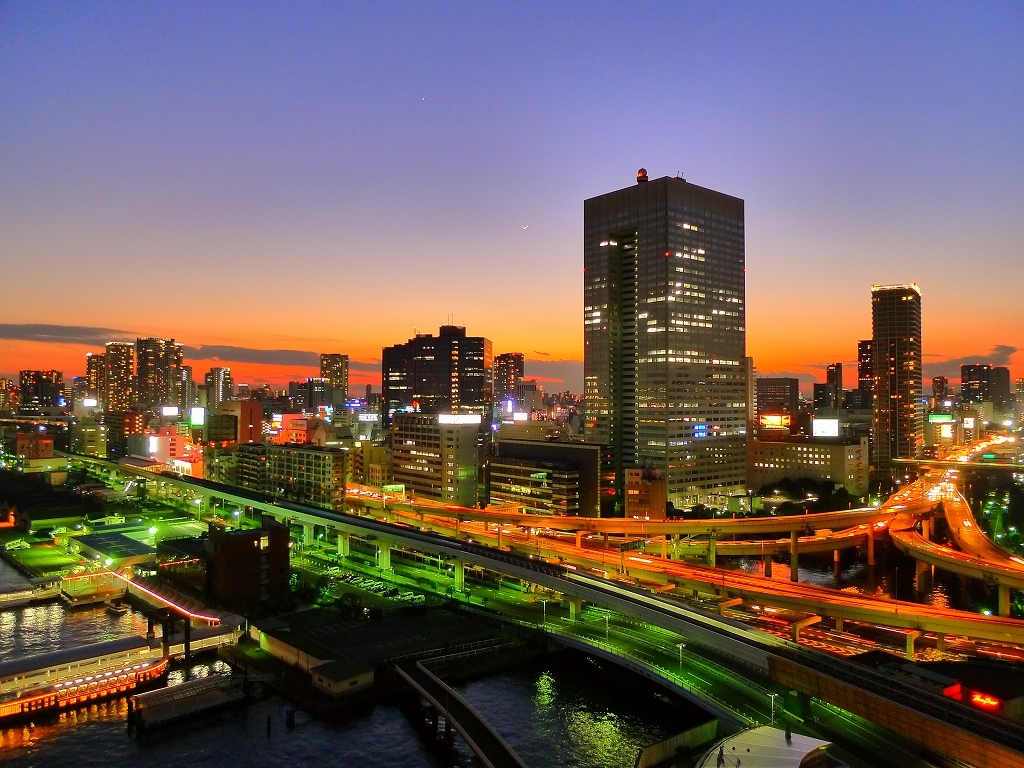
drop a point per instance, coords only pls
(772, 697)
(680, 646)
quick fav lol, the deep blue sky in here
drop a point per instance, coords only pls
(302, 175)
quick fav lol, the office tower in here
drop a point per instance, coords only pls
(437, 455)
(834, 378)
(120, 428)
(896, 360)
(39, 390)
(1019, 399)
(508, 372)
(664, 337)
(450, 372)
(248, 419)
(95, 375)
(118, 376)
(188, 389)
(940, 389)
(865, 368)
(8, 395)
(777, 396)
(219, 385)
(158, 365)
(975, 383)
(334, 370)
(1001, 392)
(319, 392)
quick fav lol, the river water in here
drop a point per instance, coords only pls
(562, 710)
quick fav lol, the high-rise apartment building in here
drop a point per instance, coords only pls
(509, 370)
(95, 376)
(158, 365)
(334, 370)
(975, 383)
(940, 388)
(39, 390)
(119, 376)
(450, 372)
(896, 360)
(664, 336)
(219, 386)
(777, 396)
(188, 389)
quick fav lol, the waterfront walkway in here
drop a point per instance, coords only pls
(485, 742)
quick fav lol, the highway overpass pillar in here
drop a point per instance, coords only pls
(579, 539)
(460, 576)
(871, 545)
(839, 625)
(940, 642)
(1004, 600)
(458, 527)
(794, 557)
(767, 566)
(912, 635)
(926, 525)
(797, 626)
(344, 544)
(384, 555)
(711, 552)
(575, 609)
(675, 546)
(307, 533)
(664, 548)
(498, 527)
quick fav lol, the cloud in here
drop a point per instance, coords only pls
(1000, 355)
(560, 375)
(61, 334)
(542, 354)
(292, 357)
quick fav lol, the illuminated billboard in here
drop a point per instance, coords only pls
(825, 428)
(940, 418)
(169, 410)
(197, 416)
(459, 418)
(700, 431)
(775, 421)
(520, 416)
(968, 422)
(90, 402)
(946, 431)
(369, 417)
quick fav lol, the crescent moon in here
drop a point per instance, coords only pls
(527, 226)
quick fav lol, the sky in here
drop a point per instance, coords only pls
(267, 181)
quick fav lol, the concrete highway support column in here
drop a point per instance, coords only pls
(307, 533)
(384, 555)
(675, 546)
(839, 625)
(940, 642)
(575, 609)
(912, 635)
(579, 539)
(498, 527)
(711, 552)
(871, 544)
(664, 548)
(926, 529)
(797, 626)
(794, 557)
(460, 575)
(1004, 600)
(767, 566)
(344, 544)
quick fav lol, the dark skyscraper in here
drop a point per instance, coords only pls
(95, 376)
(896, 356)
(985, 383)
(865, 368)
(940, 388)
(508, 373)
(450, 372)
(40, 389)
(158, 363)
(777, 396)
(664, 336)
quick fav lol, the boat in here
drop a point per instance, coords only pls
(77, 676)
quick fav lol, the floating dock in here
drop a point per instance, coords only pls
(168, 705)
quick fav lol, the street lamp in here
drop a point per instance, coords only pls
(544, 612)
(606, 627)
(680, 646)
(773, 697)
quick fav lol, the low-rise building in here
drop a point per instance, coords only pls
(838, 460)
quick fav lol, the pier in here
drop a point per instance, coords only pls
(167, 705)
(486, 743)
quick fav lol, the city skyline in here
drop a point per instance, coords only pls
(871, 146)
